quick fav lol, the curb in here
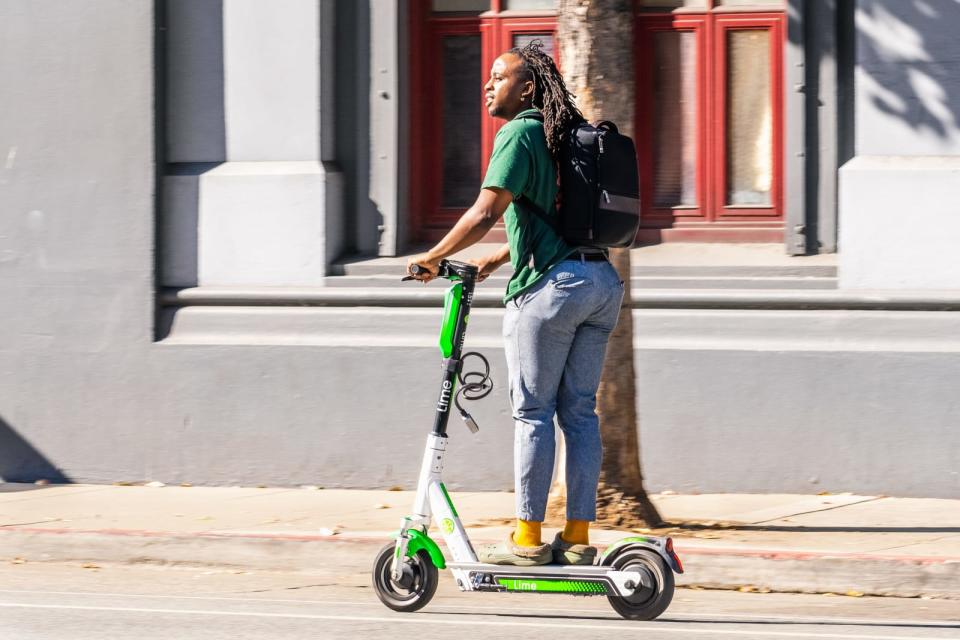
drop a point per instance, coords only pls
(775, 570)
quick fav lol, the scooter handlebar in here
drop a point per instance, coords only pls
(448, 269)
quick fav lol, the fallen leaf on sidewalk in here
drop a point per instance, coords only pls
(380, 505)
(395, 488)
(185, 484)
(747, 588)
(18, 560)
(89, 565)
(854, 594)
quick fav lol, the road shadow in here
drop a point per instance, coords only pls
(21, 462)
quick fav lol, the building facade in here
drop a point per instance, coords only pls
(184, 181)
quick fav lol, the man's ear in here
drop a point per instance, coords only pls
(528, 90)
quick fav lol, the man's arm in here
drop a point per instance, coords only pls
(469, 229)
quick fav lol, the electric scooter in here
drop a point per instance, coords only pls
(635, 573)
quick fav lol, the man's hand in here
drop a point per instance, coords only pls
(492, 262)
(486, 266)
(425, 261)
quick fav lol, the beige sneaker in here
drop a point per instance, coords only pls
(509, 552)
(568, 553)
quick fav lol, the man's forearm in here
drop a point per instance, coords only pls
(502, 256)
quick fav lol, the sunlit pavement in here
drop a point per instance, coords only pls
(86, 601)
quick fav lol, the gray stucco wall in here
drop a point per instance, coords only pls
(907, 78)
(86, 394)
(76, 276)
(897, 211)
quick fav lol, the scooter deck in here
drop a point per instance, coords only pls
(566, 570)
(587, 580)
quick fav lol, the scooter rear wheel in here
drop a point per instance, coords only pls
(415, 588)
(646, 603)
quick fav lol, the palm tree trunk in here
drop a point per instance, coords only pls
(596, 48)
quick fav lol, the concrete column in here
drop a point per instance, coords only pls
(253, 197)
(387, 177)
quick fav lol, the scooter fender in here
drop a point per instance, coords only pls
(662, 546)
(418, 541)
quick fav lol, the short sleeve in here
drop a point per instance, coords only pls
(510, 162)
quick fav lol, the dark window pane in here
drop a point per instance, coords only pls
(675, 119)
(461, 120)
(749, 118)
(660, 5)
(523, 39)
(461, 6)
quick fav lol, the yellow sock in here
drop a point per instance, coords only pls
(527, 533)
(576, 532)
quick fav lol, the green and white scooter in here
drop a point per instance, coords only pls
(636, 573)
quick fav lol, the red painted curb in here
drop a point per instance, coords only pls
(683, 549)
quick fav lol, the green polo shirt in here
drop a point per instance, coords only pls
(521, 164)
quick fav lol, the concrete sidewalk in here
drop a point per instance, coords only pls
(842, 544)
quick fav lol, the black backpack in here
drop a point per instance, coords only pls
(599, 200)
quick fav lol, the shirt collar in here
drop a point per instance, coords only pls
(526, 112)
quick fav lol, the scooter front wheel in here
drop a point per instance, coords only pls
(648, 600)
(416, 586)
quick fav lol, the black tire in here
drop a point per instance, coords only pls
(419, 583)
(645, 603)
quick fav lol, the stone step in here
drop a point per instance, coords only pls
(396, 266)
(813, 330)
(640, 280)
(431, 295)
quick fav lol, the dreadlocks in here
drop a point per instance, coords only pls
(550, 95)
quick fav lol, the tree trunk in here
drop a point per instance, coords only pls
(596, 48)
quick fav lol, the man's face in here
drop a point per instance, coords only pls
(505, 90)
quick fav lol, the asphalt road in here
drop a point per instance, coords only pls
(141, 602)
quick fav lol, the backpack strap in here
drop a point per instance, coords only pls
(526, 202)
(531, 206)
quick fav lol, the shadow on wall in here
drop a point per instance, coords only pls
(907, 53)
(21, 462)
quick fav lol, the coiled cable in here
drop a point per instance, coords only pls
(474, 385)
